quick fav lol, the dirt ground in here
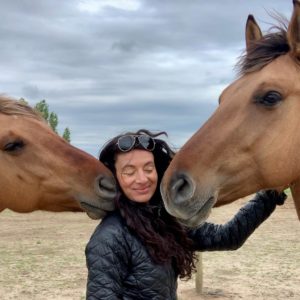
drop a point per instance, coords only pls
(42, 257)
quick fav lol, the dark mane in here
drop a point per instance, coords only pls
(262, 52)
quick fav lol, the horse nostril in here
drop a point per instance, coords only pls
(107, 186)
(182, 188)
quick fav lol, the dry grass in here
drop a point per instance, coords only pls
(42, 257)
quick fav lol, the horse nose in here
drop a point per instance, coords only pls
(107, 187)
(182, 188)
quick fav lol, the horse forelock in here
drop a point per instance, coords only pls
(265, 50)
(9, 106)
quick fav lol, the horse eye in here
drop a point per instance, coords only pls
(14, 146)
(270, 98)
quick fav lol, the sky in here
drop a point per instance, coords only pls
(109, 66)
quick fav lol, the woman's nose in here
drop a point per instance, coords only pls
(141, 177)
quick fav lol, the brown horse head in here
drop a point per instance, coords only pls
(41, 171)
(252, 140)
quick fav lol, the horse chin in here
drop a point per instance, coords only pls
(96, 215)
(95, 212)
(194, 212)
(200, 214)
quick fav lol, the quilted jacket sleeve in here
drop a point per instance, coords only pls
(232, 235)
(107, 261)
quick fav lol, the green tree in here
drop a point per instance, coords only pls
(67, 134)
(53, 121)
(51, 117)
(43, 108)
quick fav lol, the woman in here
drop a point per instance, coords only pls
(139, 250)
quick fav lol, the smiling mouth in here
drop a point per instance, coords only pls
(143, 190)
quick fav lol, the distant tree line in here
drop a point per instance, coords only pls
(51, 117)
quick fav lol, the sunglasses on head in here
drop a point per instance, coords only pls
(127, 142)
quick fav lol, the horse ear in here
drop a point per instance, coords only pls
(253, 32)
(293, 32)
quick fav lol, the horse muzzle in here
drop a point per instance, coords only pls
(103, 201)
(184, 200)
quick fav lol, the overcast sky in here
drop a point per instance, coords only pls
(107, 66)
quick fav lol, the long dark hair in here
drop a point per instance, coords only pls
(165, 239)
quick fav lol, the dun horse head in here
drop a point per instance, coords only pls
(252, 140)
(41, 171)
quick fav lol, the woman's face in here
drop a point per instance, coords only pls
(136, 174)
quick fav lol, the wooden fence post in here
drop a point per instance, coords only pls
(199, 274)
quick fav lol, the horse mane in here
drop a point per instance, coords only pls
(265, 50)
(11, 106)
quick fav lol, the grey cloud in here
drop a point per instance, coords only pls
(161, 66)
(31, 92)
(176, 119)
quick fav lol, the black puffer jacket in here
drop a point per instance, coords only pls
(119, 266)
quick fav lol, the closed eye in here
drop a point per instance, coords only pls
(128, 171)
(149, 170)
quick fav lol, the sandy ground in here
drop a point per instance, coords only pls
(42, 257)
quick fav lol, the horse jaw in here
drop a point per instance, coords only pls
(295, 188)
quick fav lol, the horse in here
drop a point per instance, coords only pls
(251, 141)
(41, 171)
